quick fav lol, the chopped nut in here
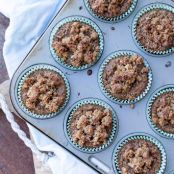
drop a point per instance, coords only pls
(132, 106)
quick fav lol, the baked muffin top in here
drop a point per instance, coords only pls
(110, 8)
(139, 157)
(126, 77)
(155, 30)
(77, 44)
(91, 125)
(163, 112)
(43, 92)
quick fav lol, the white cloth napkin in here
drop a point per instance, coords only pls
(28, 19)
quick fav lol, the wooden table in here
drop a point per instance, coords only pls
(15, 157)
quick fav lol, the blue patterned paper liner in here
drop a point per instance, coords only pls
(21, 80)
(74, 19)
(107, 94)
(157, 93)
(144, 10)
(115, 125)
(111, 19)
(139, 136)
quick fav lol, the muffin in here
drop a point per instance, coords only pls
(112, 10)
(162, 112)
(139, 153)
(124, 76)
(154, 29)
(43, 91)
(77, 43)
(139, 156)
(91, 125)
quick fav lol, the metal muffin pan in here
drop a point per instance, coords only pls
(117, 37)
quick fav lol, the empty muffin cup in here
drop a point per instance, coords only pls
(125, 77)
(42, 91)
(139, 153)
(116, 11)
(76, 43)
(91, 125)
(152, 29)
(160, 112)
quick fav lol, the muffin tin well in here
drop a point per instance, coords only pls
(162, 90)
(21, 81)
(115, 55)
(113, 19)
(84, 84)
(139, 136)
(143, 11)
(97, 102)
(82, 20)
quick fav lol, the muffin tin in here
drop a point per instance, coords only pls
(84, 84)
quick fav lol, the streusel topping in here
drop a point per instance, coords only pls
(91, 125)
(155, 30)
(126, 77)
(139, 157)
(163, 112)
(77, 44)
(110, 8)
(43, 92)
